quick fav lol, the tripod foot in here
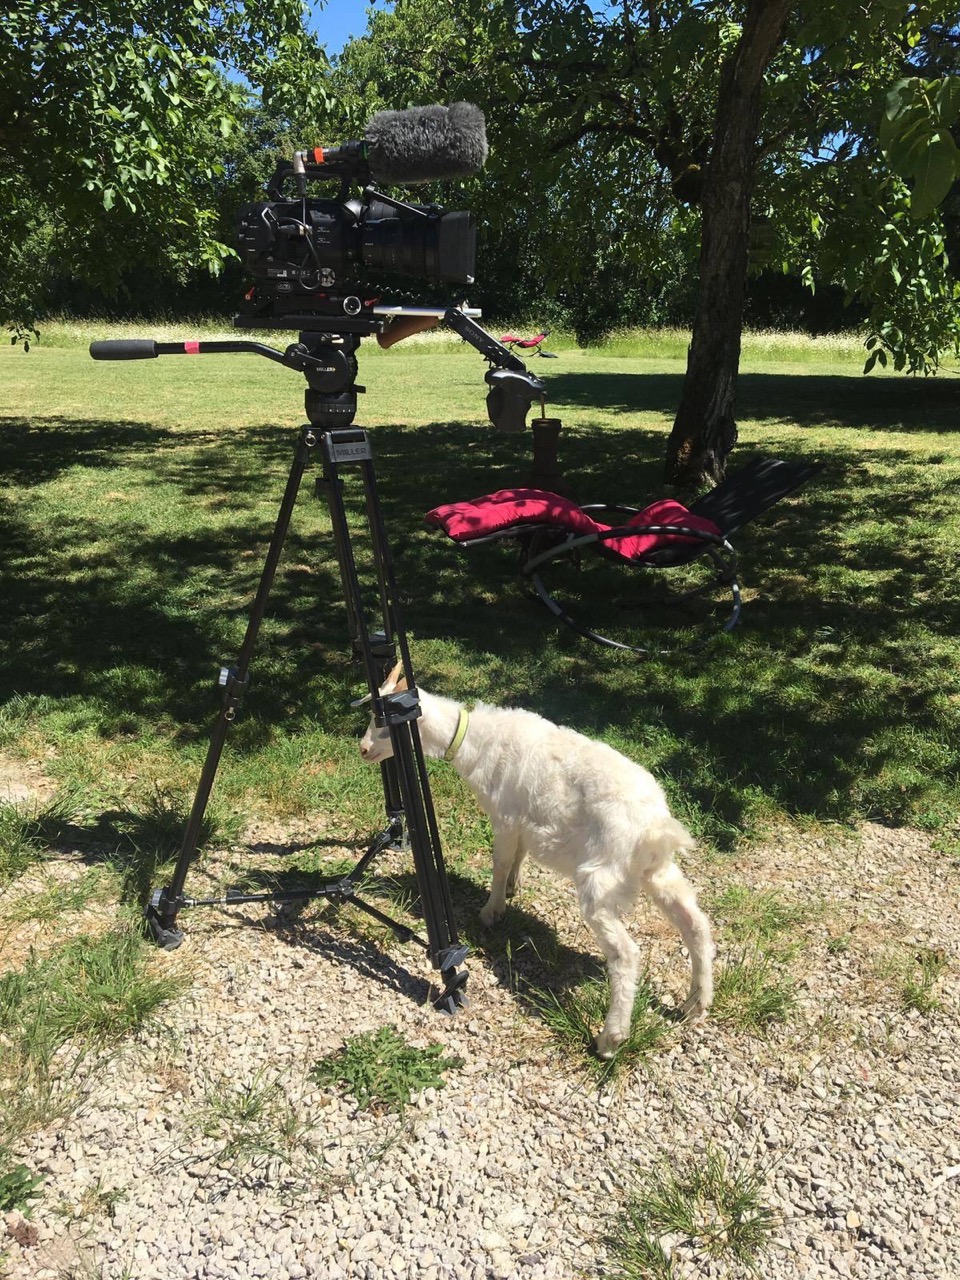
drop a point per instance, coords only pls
(160, 923)
(453, 996)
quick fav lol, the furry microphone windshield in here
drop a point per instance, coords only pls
(426, 144)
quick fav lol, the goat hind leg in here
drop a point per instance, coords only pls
(515, 874)
(623, 967)
(670, 890)
(506, 843)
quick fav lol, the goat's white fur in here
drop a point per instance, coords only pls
(583, 809)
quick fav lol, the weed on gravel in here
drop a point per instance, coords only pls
(752, 990)
(576, 1016)
(706, 1209)
(17, 1184)
(915, 975)
(255, 1124)
(55, 898)
(918, 987)
(92, 989)
(83, 996)
(760, 915)
(382, 1071)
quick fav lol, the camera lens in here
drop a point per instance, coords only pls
(440, 246)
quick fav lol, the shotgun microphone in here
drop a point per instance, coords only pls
(422, 144)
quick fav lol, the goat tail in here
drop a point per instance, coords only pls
(667, 837)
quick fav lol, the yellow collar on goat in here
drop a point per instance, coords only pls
(459, 736)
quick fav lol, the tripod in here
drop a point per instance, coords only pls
(328, 360)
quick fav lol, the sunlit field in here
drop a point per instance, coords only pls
(139, 498)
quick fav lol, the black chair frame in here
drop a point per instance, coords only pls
(535, 556)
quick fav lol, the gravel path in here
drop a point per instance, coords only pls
(517, 1167)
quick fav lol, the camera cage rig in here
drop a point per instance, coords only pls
(296, 264)
(325, 355)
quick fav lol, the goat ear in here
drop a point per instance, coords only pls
(394, 680)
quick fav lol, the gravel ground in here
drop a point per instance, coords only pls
(518, 1166)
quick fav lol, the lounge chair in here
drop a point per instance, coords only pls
(662, 535)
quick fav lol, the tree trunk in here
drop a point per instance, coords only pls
(704, 431)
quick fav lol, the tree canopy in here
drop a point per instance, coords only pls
(113, 124)
(603, 122)
(127, 136)
(607, 128)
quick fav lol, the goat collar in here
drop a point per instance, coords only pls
(459, 736)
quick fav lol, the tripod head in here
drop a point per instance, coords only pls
(330, 368)
(326, 355)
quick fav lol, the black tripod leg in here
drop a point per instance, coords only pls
(381, 644)
(161, 912)
(392, 797)
(446, 951)
(398, 711)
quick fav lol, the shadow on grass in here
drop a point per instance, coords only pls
(100, 612)
(133, 843)
(876, 404)
(844, 589)
(124, 625)
(35, 452)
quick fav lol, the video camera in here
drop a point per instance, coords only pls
(316, 261)
(314, 256)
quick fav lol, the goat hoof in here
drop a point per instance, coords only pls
(607, 1044)
(489, 918)
(693, 1010)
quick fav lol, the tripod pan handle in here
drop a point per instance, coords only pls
(125, 349)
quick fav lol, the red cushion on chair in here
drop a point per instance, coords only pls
(507, 507)
(666, 511)
(481, 517)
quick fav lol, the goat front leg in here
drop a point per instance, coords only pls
(623, 967)
(515, 876)
(506, 856)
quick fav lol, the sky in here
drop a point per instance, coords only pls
(337, 20)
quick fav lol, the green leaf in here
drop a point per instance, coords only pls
(948, 99)
(907, 143)
(895, 98)
(935, 174)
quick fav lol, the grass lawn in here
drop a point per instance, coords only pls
(139, 498)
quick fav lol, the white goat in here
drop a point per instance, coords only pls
(581, 808)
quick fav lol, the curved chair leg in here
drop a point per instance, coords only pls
(537, 557)
(561, 614)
